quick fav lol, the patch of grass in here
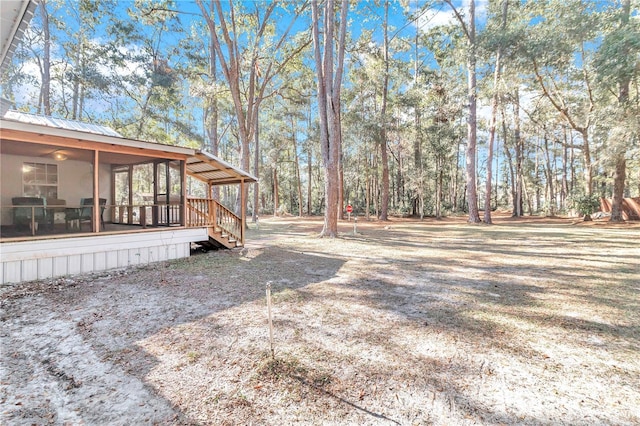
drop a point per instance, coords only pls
(286, 295)
(193, 357)
(280, 367)
(287, 367)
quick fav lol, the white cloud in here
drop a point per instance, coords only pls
(444, 15)
(435, 18)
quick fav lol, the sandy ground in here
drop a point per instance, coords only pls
(407, 322)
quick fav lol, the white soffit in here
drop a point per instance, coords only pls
(14, 19)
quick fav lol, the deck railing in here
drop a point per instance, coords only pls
(210, 213)
(148, 215)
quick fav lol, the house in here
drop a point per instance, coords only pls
(78, 198)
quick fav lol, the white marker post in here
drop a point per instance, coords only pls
(270, 322)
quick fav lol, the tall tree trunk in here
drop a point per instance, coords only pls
(309, 165)
(490, 147)
(439, 165)
(143, 113)
(620, 160)
(368, 183)
(329, 83)
(559, 103)
(588, 166)
(309, 179)
(367, 208)
(507, 152)
(454, 195)
(537, 180)
(256, 169)
(572, 170)
(83, 92)
(400, 183)
(75, 91)
(384, 154)
(492, 126)
(297, 166)
(212, 117)
(417, 142)
(246, 93)
(276, 191)
(518, 202)
(618, 188)
(469, 29)
(340, 178)
(45, 91)
(564, 193)
(550, 177)
(472, 194)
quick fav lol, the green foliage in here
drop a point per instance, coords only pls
(587, 204)
(149, 75)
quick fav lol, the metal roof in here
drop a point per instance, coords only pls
(60, 123)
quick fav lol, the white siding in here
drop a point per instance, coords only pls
(31, 260)
(45, 268)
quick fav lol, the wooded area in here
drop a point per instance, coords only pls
(405, 107)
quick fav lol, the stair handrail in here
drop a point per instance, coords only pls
(209, 212)
(228, 221)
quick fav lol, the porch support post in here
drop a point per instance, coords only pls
(183, 193)
(96, 192)
(243, 211)
(130, 200)
(154, 208)
(211, 207)
(112, 194)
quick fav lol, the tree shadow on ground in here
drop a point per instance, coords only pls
(109, 317)
(523, 293)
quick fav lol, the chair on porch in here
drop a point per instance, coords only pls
(85, 213)
(31, 214)
(53, 207)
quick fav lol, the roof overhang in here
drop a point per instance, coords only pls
(214, 171)
(14, 20)
(66, 138)
(206, 167)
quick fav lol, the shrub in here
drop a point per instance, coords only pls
(587, 204)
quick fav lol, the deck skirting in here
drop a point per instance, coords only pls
(41, 259)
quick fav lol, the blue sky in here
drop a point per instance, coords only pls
(366, 15)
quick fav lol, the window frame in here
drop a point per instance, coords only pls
(40, 179)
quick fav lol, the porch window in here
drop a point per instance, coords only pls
(40, 180)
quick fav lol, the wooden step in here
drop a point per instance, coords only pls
(221, 240)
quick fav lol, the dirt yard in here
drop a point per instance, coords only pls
(407, 323)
